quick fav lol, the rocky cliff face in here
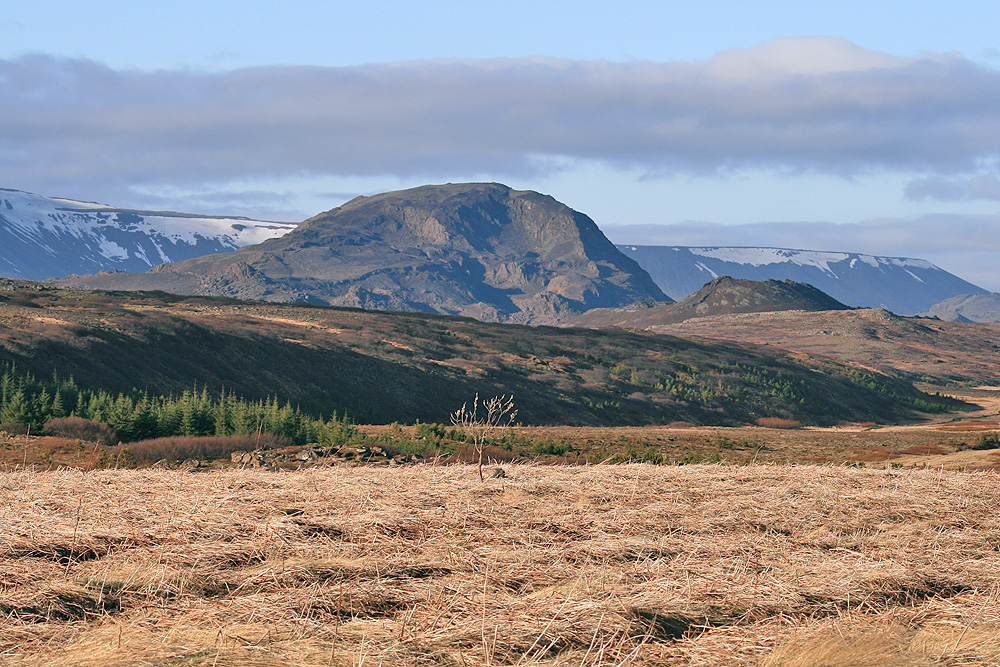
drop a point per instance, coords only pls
(480, 250)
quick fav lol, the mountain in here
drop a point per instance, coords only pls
(902, 285)
(982, 308)
(43, 237)
(390, 366)
(722, 296)
(480, 250)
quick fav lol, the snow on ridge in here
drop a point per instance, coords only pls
(764, 256)
(904, 262)
(816, 258)
(33, 215)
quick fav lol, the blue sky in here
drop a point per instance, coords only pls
(860, 126)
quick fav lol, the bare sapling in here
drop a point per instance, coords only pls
(484, 420)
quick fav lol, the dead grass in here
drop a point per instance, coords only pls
(972, 425)
(424, 565)
(778, 422)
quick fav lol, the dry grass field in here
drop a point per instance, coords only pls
(803, 566)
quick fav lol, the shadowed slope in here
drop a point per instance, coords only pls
(407, 366)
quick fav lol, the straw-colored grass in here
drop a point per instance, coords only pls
(794, 566)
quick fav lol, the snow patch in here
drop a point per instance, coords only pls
(112, 250)
(869, 260)
(707, 270)
(905, 262)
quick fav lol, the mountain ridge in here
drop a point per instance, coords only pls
(901, 284)
(481, 250)
(394, 366)
(52, 237)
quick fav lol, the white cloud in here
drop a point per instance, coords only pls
(800, 56)
(809, 104)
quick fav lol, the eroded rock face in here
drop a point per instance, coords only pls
(480, 250)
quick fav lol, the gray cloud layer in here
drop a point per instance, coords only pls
(801, 104)
(982, 186)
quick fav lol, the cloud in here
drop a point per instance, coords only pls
(809, 104)
(981, 186)
(962, 244)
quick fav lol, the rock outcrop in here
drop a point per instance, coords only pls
(480, 250)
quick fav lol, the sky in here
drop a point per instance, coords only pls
(853, 126)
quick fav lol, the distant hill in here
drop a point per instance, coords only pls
(915, 347)
(982, 308)
(722, 296)
(45, 237)
(384, 367)
(481, 250)
(903, 285)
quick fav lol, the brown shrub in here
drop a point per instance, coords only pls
(14, 429)
(491, 454)
(180, 448)
(78, 428)
(925, 450)
(778, 422)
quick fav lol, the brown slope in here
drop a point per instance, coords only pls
(407, 366)
(875, 338)
(722, 296)
(479, 250)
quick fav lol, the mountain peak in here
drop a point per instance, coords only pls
(482, 250)
(721, 296)
(901, 284)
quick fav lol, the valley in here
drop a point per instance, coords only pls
(751, 475)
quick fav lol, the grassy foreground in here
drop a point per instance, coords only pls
(423, 565)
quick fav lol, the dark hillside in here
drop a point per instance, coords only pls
(722, 296)
(408, 366)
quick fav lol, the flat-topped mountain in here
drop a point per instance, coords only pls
(481, 250)
(722, 296)
(901, 284)
(46, 237)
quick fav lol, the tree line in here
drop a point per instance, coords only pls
(136, 415)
